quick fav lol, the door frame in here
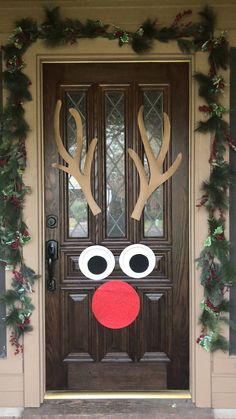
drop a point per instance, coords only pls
(171, 283)
(199, 147)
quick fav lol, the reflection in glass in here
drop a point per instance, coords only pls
(115, 163)
(153, 119)
(77, 205)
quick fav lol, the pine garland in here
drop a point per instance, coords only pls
(217, 272)
(214, 261)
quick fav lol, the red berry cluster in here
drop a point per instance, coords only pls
(221, 85)
(180, 16)
(230, 140)
(203, 200)
(118, 34)
(100, 30)
(18, 276)
(15, 63)
(210, 45)
(201, 336)
(4, 161)
(73, 34)
(22, 38)
(212, 274)
(16, 243)
(16, 201)
(25, 323)
(14, 341)
(211, 306)
(205, 109)
(220, 236)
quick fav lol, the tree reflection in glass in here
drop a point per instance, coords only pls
(115, 163)
(153, 119)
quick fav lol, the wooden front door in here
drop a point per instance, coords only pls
(152, 352)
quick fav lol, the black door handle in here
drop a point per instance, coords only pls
(51, 257)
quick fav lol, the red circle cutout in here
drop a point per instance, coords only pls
(115, 304)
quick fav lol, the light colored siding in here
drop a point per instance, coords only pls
(125, 13)
(11, 390)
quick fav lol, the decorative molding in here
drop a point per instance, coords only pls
(116, 356)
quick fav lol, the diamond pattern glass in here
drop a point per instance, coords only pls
(115, 163)
(153, 119)
(2, 315)
(77, 205)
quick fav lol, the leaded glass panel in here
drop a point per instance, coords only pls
(153, 119)
(2, 314)
(232, 208)
(115, 163)
(2, 271)
(77, 205)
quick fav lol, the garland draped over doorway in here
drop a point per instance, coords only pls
(217, 273)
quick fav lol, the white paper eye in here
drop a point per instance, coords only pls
(137, 260)
(96, 262)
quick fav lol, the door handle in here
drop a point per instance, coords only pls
(51, 257)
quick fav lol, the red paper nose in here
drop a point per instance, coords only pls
(115, 304)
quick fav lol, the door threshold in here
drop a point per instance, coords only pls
(84, 395)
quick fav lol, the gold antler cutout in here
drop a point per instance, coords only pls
(148, 184)
(73, 169)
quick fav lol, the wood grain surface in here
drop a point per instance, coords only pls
(156, 344)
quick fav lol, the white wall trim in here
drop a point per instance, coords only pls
(12, 412)
(224, 413)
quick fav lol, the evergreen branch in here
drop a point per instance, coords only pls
(206, 87)
(219, 342)
(208, 22)
(9, 297)
(141, 43)
(214, 123)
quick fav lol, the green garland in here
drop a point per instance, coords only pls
(216, 271)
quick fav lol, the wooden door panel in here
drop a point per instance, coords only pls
(76, 326)
(128, 376)
(116, 345)
(156, 323)
(162, 270)
(151, 353)
(150, 331)
(80, 329)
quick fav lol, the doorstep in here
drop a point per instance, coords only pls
(118, 408)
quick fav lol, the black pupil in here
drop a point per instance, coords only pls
(97, 265)
(139, 263)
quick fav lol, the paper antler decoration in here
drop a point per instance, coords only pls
(73, 168)
(148, 184)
